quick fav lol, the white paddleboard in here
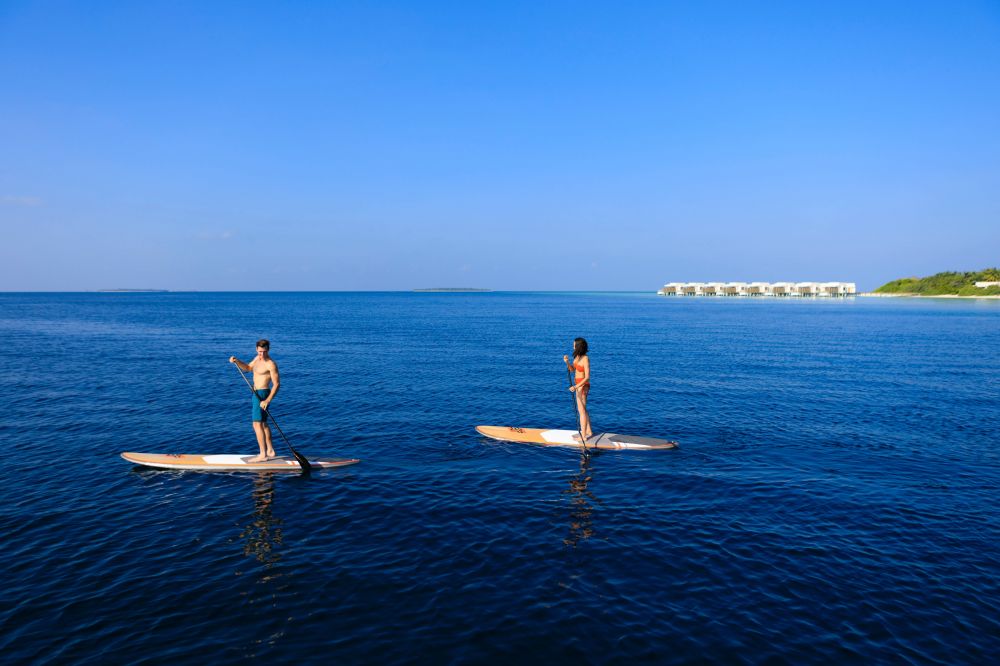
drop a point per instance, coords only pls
(229, 462)
(604, 441)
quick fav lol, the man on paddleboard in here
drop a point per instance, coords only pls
(265, 372)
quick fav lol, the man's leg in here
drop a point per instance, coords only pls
(268, 446)
(258, 429)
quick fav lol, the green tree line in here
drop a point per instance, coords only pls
(945, 284)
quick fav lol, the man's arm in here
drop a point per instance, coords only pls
(275, 383)
(240, 364)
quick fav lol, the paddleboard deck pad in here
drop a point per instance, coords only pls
(603, 441)
(229, 462)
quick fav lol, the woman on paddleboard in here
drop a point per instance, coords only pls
(581, 386)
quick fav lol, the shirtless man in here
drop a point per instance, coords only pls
(265, 371)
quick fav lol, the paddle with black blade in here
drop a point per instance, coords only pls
(303, 463)
(569, 375)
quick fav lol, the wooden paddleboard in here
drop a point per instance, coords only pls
(603, 441)
(229, 462)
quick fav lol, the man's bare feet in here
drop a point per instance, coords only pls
(271, 454)
(257, 458)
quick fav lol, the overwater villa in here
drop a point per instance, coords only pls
(671, 289)
(837, 289)
(782, 289)
(735, 289)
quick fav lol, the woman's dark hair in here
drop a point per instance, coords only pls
(579, 347)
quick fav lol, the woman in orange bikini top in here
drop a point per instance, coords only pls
(581, 366)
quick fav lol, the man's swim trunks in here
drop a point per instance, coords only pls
(258, 413)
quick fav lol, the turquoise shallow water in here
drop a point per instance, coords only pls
(834, 496)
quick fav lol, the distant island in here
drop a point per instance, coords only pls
(133, 291)
(450, 289)
(946, 284)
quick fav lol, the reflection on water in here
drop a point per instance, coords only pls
(262, 540)
(581, 524)
(262, 536)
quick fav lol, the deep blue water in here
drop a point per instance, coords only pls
(834, 497)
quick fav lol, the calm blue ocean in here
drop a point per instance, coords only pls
(834, 497)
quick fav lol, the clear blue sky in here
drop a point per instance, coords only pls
(552, 145)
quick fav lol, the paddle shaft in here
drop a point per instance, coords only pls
(303, 462)
(576, 401)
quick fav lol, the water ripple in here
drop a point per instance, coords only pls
(833, 498)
